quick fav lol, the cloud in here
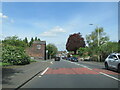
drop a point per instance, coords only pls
(12, 21)
(53, 32)
(3, 16)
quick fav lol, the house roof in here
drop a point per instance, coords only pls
(39, 42)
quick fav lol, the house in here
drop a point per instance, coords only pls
(37, 50)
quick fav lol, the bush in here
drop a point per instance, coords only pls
(14, 55)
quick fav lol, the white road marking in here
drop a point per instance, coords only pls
(51, 62)
(109, 76)
(39, 76)
(98, 72)
(44, 71)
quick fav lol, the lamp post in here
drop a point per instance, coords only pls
(98, 39)
(46, 54)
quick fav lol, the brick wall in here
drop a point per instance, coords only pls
(38, 53)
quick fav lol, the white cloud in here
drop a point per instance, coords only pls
(53, 32)
(3, 16)
(12, 21)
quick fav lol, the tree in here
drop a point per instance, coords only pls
(74, 42)
(13, 51)
(92, 39)
(52, 50)
(39, 39)
(14, 41)
(26, 41)
(36, 38)
(31, 41)
(14, 55)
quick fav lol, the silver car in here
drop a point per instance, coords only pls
(113, 61)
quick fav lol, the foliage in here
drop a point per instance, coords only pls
(96, 50)
(92, 39)
(4, 64)
(13, 51)
(74, 42)
(32, 40)
(14, 41)
(14, 55)
(32, 60)
(107, 48)
(26, 41)
(75, 56)
(52, 50)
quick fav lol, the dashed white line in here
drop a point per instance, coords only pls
(109, 76)
(39, 76)
(44, 71)
(51, 62)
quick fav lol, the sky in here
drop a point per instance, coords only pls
(55, 21)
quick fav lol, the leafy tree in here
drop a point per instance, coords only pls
(31, 41)
(13, 51)
(107, 48)
(36, 38)
(26, 41)
(52, 50)
(14, 55)
(74, 42)
(14, 41)
(92, 39)
(39, 39)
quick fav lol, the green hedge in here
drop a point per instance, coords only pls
(14, 55)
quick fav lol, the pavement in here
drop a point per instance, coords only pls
(15, 76)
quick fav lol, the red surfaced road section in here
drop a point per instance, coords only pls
(70, 71)
(78, 71)
(105, 71)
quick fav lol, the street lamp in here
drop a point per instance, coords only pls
(98, 38)
(46, 54)
(98, 34)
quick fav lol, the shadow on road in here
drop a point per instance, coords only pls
(8, 73)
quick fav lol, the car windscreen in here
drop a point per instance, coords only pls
(119, 56)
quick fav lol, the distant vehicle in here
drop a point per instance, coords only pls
(57, 58)
(67, 58)
(73, 59)
(63, 57)
(113, 61)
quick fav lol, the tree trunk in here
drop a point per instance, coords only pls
(75, 51)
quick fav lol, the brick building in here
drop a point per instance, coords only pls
(37, 50)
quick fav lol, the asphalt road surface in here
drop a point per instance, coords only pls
(66, 74)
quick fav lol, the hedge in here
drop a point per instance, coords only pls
(14, 55)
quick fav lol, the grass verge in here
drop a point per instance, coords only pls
(4, 64)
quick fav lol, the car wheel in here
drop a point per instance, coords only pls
(106, 66)
(118, 68)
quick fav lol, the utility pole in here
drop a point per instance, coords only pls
(98, 32)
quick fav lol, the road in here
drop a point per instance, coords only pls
(66, 74)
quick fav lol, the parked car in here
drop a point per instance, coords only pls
(74, 59)
(68, 58)
(113, 61)
(57, 58)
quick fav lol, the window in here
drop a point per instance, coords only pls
(112, 56)
(119, 56)
(38, 46)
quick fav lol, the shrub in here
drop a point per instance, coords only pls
(14, 55)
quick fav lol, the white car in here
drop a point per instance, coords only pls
(113, 61)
